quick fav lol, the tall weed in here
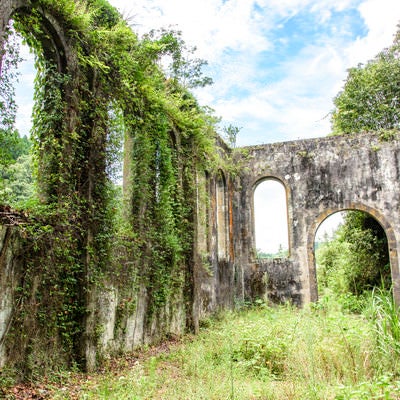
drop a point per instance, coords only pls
(385, 315)
(267, 353)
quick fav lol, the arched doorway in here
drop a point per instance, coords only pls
(51, 91)
(359, 256)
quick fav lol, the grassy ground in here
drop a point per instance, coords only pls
(258, 353)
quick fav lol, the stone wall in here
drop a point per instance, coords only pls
(111, 297)
(10, 275)
(321, 176)
(74, 291)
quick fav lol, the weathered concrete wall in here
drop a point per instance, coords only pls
(321, 176)
(214, 273)
(11, 268)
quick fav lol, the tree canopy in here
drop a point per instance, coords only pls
(370, 99)
(356, 259)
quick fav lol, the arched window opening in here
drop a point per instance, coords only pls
(51, 91)
(271, 219)
(351, 253)
(115, 145)
(115, 154)
(16, 104)
(222, 217)
(203, 206)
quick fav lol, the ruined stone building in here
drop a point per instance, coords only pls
(75, 285)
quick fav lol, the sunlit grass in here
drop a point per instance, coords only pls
(260, 353)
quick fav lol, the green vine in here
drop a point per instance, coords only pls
(102, 102)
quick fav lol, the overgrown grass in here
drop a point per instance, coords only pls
(319, 352)
(277, 353)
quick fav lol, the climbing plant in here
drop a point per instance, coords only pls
(9, 74)
(97, 87)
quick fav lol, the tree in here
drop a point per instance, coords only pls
(16, 182)
(184, 67)
(356, 259)
(370, 99)
(230, 133)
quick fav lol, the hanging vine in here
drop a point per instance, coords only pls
(104, 87)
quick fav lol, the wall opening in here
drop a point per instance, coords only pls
(202, 211)
(222, 216)
(115, 163)
(48, 108)
(351, 255)
(16, 98)
(271, 219)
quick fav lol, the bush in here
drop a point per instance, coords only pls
(356, 259)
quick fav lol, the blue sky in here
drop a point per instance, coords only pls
(276, 64)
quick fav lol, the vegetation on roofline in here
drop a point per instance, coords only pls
(107, 93)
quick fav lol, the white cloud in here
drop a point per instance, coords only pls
(237, 37)
(300, 100)
(381, 18)
(211, 25)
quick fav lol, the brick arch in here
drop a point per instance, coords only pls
(253, 186)
(380, 218)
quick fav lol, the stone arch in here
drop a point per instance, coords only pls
(56, 52)
(391, 238)
(255, 183)
(54, 45)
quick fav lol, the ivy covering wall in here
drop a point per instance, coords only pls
(86, 233)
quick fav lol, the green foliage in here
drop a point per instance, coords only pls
(103, 14)
(322, 353)
(16, 183)
(385, 315)
(264, 354)
(102, 101)
(231, 133)
(383, 387)
(356, 259)
(369, 100)
(183, 68)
